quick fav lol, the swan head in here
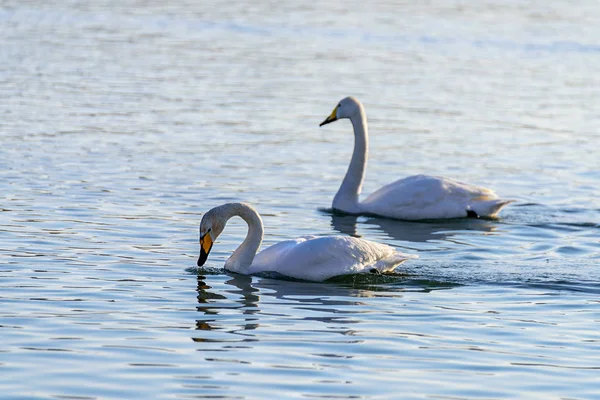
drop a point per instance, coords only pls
(346, 108)
(211, 226)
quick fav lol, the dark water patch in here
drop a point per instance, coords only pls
(526, 204)
(367, 281)
(558, 366)
(571, 250)
(582, 276)
(205, 271)
(466, 221)
(46, 349)
(555, 287)
(570, 226)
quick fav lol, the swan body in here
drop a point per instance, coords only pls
(432, 197)
(413, 198)
(312, 258)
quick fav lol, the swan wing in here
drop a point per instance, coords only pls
(319, 258)
(432, 197)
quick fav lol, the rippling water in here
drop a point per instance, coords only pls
(122, 122)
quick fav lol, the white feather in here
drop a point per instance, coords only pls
(319, 258)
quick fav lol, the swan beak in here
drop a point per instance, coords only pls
(206, 244)
(331, 118)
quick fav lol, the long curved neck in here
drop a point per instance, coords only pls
(242, 257)
(346, 199)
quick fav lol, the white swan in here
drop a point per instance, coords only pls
(413, 198)
(312, 258)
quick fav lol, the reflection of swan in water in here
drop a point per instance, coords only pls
(241, 296)
(409, 231)
(208, 300)
(244, 293)
(247, 289)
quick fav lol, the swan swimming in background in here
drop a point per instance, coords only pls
(413, 198)
(312, 258)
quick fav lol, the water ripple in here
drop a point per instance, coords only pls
(123, 124)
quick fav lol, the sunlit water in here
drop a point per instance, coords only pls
(122, 122)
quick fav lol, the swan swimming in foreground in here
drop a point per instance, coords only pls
(412, 198)
(312, 258)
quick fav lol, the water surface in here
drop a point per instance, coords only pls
(122, 122)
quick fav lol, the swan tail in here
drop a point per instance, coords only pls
(488, 208)
(390, 263)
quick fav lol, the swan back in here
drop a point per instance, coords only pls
(320, 258)
(432, 197)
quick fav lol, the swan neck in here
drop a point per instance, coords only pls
(346, 199)
(242, 257)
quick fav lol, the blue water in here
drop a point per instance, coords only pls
(123, 122)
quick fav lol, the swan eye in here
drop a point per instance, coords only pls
(339, 105)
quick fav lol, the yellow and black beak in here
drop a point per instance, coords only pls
(206, 244)
(331, 118)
